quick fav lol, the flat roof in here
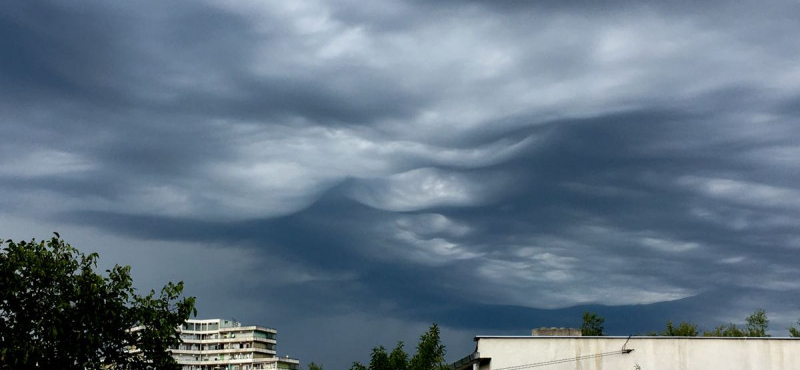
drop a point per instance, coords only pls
(623, 337)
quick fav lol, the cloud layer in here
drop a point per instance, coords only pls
(493, 166)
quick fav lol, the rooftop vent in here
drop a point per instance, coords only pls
(556, 332)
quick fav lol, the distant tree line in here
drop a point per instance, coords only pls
(755, 326)
(429, 355)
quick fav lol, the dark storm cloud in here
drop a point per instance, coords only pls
(46, 50)
(493, 166)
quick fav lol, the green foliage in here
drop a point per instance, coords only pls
(57, 313)
(684, 329)
(379, 360)
(430, 351)
(757, 324)
(429, 356)
(592, 324)
(794, 332)
(313, 366)
(730, 330)
(398, 359)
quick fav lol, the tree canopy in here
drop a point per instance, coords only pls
(592, 324)
(430, 351)
(379, 360)
(794, 332)
(429, 356)
(684, 329)
(56, 312)
(730, 330)
(755, 326)
(398, 359)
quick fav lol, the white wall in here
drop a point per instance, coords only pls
(649, 353)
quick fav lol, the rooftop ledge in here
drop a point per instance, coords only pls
(625, 337)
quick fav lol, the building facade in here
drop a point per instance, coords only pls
(228, 345)
(631, 353)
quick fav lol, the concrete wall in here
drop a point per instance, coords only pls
(649, 353)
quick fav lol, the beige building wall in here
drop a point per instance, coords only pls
(648, 353)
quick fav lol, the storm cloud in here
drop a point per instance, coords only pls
(349, 172)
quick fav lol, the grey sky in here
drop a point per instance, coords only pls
(351, 171)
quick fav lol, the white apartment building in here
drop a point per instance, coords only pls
(219, 344)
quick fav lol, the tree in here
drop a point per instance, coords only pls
(755, 326)
(684, 329)
(398, 359)
(56, 312)
(757, 323)
(592, 324)
(429, 356)
(430, 351)
(731, 330)
(379, 360)
(794, 332)
(313, 366)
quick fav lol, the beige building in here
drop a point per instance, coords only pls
(226, 344)
(631, 353)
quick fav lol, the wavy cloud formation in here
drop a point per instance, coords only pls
(490, 165)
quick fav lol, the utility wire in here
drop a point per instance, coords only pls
(571, 359)
(563, 360)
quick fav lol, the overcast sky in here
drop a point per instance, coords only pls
(351, 171)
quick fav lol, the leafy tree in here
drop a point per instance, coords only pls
(429, 356)
(313, 366)
(730, 330)
(757, 324)
(398, 359)
(592, 324)
(379, 360)
(430, 352)
(794, 332)
(684, 329)
(57, 313)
